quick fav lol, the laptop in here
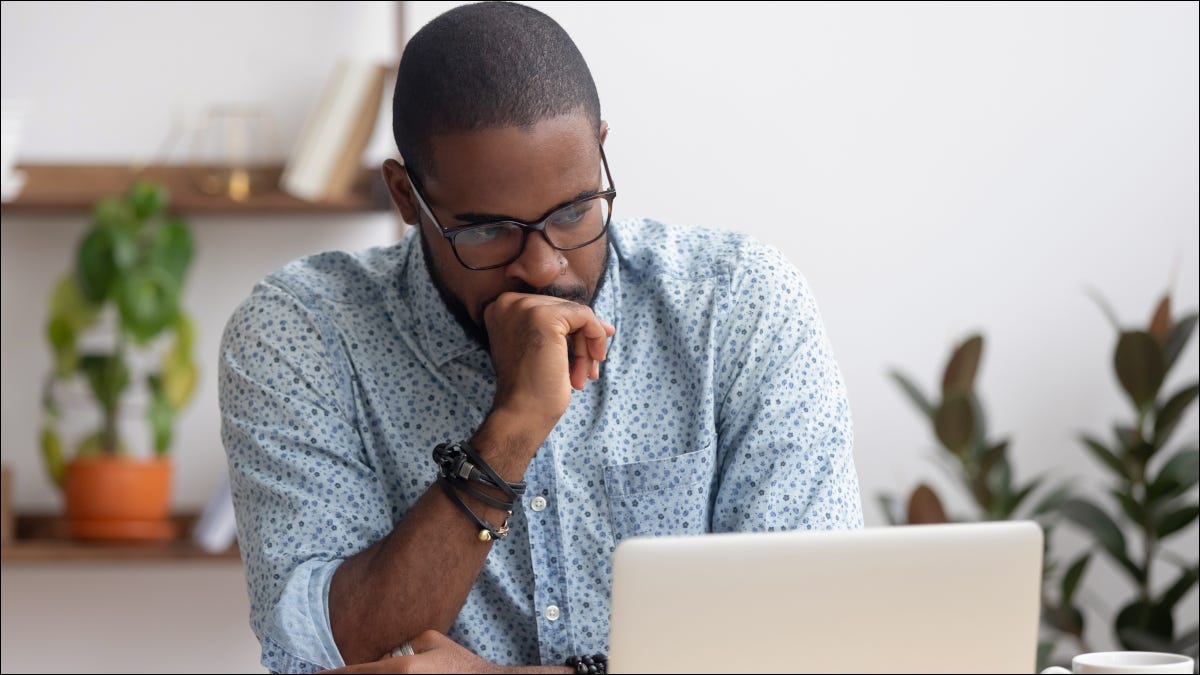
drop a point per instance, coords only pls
(953, 598)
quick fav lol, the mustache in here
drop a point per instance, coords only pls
(577, 293)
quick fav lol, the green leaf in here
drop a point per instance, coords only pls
(52, 456)
(179, 381)
(148, 198)
(1187, 578)
(1176, 520)
(1180, 473)
(1104, 530)
(162, 418)
(1143, 640)
(978, 429)
(1066, 618)
(1142, 625)
(1014, 501)
(62, 340)
(1054, 500)
(171, 249)
(992, 457)
(1045, 650)
(101, 256)
(94, 445)
(1106, 457)
(1160, 322)
(954, 424)
(1128, 438)
(1071, 579)
(914, 393)
(114, 213)
(107, 375)
(185, 335)
(959, 377)
(1139, 364)
(924, 507)
(148, 300)
(1129, 505)
(1179, 339)
(68, 303)
(1172, 411)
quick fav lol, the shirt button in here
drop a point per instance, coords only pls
(552, 612)
(537, 504)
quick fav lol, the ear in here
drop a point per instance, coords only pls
(603, 131)
(401, 191)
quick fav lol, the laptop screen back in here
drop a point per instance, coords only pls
(954, 598)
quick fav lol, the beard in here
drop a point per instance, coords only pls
(477, 331)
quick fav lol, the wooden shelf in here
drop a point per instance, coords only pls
(42, 538)
(75, 188)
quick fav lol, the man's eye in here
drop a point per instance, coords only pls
(572, 214)
(481, 235)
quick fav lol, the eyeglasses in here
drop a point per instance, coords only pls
(486, 246)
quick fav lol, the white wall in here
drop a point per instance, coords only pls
(933, 169)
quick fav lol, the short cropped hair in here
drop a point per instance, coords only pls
(486, 66)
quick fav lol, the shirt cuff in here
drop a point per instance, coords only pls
(299, 634)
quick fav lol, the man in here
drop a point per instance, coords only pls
(598, 379)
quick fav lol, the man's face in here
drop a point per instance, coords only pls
(517, 174)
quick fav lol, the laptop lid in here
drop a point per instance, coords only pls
(954, 598)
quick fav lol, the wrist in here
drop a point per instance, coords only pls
(508, 442)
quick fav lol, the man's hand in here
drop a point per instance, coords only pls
(436, 653)
(529, 335)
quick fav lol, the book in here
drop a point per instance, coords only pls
(316, 119)
(329, 150)
(349, 162)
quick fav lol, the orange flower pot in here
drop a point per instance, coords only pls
(118, 498)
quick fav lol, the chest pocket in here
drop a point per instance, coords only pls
(660, 496)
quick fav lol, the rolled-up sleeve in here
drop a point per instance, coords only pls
(305, 496)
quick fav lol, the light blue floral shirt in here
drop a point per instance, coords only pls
(720, 408)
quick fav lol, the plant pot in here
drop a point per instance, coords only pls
(119, 498)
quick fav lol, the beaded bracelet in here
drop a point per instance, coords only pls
(596, 664)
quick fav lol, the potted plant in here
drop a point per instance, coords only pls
(117, 331)
(1150, 494)
(984, 473)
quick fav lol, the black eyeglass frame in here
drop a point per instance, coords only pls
(538, 225)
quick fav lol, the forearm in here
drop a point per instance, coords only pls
(419, 576)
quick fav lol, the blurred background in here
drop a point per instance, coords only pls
(934, 170)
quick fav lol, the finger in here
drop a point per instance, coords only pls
(595, 370)
(581, 365)
(577, 318)
(429, 640)
(597, 348)
(580, 320)
(385, 665)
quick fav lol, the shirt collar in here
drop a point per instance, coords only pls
(427, 318)
(439, 334)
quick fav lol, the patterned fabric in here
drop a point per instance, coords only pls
(720, 408)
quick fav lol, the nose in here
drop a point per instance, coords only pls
(540, 264)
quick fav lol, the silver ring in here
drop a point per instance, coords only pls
(405, 649)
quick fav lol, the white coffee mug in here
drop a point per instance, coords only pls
(1127, 662)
